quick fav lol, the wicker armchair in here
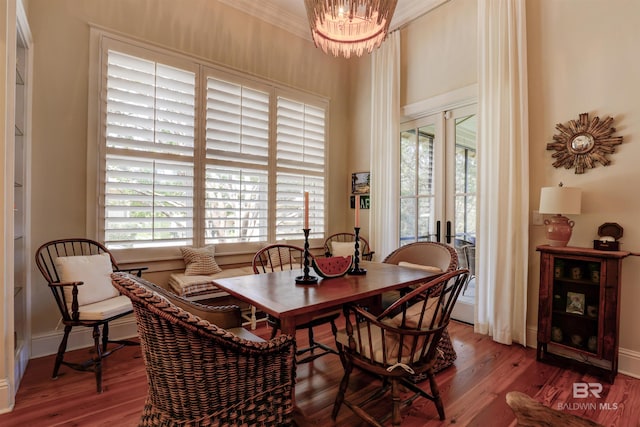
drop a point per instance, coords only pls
(200, 374)
(433, 254)
(334, 245)
(397, 345)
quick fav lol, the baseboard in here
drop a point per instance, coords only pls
(628, 361)
(80, 337)
(6, 396)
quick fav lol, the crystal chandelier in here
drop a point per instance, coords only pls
(344, 27)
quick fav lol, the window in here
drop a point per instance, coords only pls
(197, 155)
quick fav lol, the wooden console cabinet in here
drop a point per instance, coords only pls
(578, 311)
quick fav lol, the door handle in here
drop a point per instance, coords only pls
(438, 231)
(449, 236)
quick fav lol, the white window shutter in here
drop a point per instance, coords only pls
(150, 127)
(300, 167)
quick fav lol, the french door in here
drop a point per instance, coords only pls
(438, 166)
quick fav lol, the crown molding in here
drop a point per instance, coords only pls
(408, 10)
(292, 20)
(291, 15)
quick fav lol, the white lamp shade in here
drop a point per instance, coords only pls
(560, 200)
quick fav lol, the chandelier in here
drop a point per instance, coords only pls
(344, 27)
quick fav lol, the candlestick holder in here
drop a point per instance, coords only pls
(356, 255)
(306, 279)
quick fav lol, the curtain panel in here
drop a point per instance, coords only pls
(503, 227)
(385, 151)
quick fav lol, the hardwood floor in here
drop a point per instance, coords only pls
(473, 390)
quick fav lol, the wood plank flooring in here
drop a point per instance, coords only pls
(473, 390)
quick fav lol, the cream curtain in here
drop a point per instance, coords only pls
(501, 301)
(385, 151)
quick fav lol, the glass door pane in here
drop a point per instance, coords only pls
(462, 130)
(417, 190)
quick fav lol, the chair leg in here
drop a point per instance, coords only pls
(61, 349)
(396, 418)
(344, 384)
(435, 392)
(97, 358)
(105, 336)
(312, 342)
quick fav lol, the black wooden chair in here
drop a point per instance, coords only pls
(281, 257)
(78, 272)
(338, 245)
(397, 345)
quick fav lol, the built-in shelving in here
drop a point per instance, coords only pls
(21, 266)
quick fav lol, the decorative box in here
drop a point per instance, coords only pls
(609, 233)
(602, 245)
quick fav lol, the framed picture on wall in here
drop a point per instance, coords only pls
(360, 182)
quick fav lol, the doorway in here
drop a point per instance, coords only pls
(438, 177)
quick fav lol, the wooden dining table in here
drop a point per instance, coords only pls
(278, 295)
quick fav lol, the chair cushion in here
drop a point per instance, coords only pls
(245, 335)
(342, 248)
(223, 319)
(191, 286)
(105, 309)
(278, 257)
(392, 344)
(412, 321)
(428, 268)
(413, 313)
(94, 270)
(199, 261)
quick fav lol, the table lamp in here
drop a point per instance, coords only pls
(558, 201)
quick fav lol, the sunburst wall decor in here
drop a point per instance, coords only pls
(584, 143)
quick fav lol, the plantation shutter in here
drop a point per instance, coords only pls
(300, 167)
(237, 147)
(149, 169)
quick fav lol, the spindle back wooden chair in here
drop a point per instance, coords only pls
(398, 344)
(77, 270)
(337, 245)
(280, 257)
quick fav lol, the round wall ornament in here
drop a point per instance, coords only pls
(583, 143)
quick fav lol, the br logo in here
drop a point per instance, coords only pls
(584, 390)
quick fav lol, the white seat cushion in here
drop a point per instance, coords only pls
(94, 270)
(342, 248)
(428, 268)
(106, 308)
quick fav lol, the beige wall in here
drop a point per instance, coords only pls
(439, 52)
(203, 28)
(582, 59)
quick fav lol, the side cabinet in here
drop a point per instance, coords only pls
(578, 311)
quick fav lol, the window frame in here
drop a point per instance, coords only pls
(100, 42)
